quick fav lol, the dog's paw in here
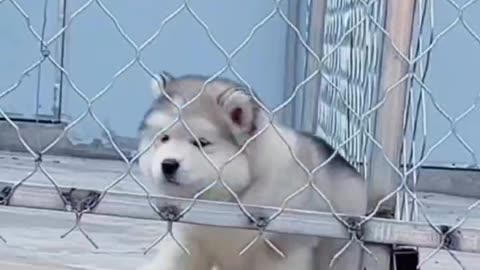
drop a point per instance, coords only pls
(239, 110)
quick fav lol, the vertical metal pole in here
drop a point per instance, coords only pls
(291, 64)
(302, 112)
(389, 119)
(60, 50)
(315, 41)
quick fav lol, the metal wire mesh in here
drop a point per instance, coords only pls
(350, 68)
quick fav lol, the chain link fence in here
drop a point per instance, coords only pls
(372, 69)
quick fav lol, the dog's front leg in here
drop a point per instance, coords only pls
(170, 256)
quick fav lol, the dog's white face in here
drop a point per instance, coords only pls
(175, 163)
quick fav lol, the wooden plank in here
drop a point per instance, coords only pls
(229, 215)
(459, 181)
(389, 118)
(449, 210)
(34, 241)
(69, 171)
(35, 233)
(72, 172)
(16, 165)
(444, 261)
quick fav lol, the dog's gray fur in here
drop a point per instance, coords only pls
(264, 174)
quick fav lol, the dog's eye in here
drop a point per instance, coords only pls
(203, 142)
(165, 138)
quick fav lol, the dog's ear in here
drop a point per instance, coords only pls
(239, 108)
(159, 83)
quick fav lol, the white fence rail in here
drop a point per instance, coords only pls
(223, 214)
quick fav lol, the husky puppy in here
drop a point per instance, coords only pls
(223, 118)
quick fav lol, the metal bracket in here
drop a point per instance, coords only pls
(5, 194)
(80, 201)
(450, 238)
(259, 221)
(170, 213)
(355, 228)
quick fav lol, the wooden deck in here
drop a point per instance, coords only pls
(34, 241)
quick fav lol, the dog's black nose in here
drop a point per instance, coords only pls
(170, 166)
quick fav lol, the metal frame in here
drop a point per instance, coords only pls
(376, 230)
(302, 112)
(291, 63)
(390, 116)
(63, 41)
(311, 95)
(389, 119)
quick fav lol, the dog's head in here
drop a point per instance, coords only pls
(174, 160)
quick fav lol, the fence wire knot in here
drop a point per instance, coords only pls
(80, 201)
(5, 195)
(170, 213)
(449, 237)
(355, 228)
(260, 222)
(45, 52)
(38, 158)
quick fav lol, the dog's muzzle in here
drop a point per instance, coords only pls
(169, 169)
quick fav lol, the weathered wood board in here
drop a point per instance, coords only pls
(33, 236)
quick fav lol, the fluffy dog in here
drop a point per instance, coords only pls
(223, 118)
